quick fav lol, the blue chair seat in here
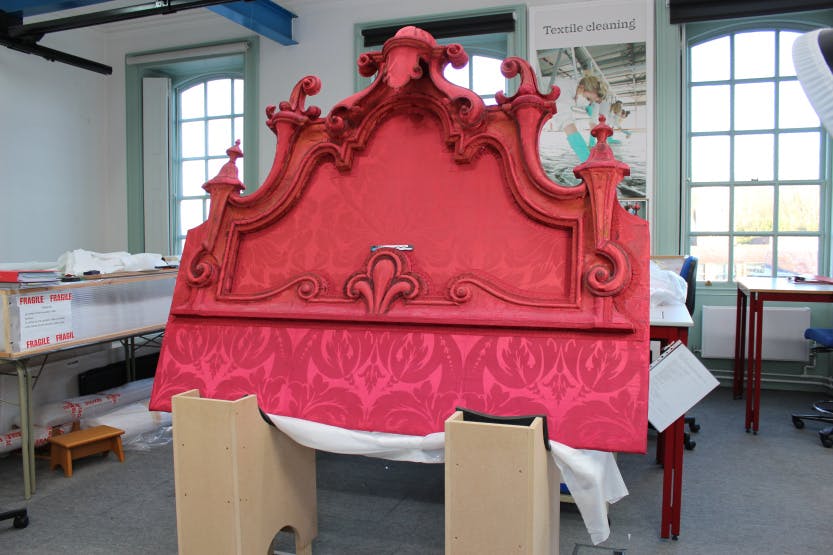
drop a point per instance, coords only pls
(822, 410)
(822, 336)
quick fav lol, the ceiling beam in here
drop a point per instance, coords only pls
(264, 17)
(261, 16)
(56, 56)
(108, 16)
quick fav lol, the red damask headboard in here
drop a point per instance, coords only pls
(406, 255)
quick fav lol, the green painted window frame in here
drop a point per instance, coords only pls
(178, 88)
(181, 70)
(699, 33)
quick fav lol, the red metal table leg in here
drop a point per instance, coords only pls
(740, 334)
(750, 364)
(660, 448)
(756, 384)
(677, 500)
(670, 453)
(672, 479)
(753, 379)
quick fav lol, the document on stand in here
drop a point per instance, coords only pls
(678, 381)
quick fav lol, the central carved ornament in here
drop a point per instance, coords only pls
(386, 279)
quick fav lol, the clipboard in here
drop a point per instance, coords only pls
(678, 381)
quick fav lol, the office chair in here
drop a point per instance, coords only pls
(689, 273)
(21, 519)
(823, 342)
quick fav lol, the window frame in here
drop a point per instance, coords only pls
(699, 33)
(177, 237)
(197, 65)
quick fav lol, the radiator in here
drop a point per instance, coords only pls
(783, 337)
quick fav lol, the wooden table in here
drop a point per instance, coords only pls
(752, 293)
(669, 324)
(111, 308)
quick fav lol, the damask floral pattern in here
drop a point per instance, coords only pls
(410, 381)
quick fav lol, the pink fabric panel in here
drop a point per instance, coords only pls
(456, 220)
(408, 381)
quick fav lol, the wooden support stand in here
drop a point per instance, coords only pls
(239, 481)
(83, 443)
(501, 489)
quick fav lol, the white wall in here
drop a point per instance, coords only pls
(62, 165)
(54, 157)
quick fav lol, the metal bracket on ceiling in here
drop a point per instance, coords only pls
(22, 37)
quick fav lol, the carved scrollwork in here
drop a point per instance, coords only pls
(368, 64)
(201, 271)
(531, 109)
(460, 292)
(603, 280)
(514, 66)
(294, 107)
(308, 287)
(387, 278)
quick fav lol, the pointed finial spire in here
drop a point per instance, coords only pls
(227, 175)
(602, 131)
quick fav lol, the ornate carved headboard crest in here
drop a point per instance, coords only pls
(410, 93)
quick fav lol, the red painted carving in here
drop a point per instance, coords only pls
(386, 279)
(603, 173)
(520, 295)
(203, 267)
(532, 109)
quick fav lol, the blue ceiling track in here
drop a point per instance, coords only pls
(261, 16)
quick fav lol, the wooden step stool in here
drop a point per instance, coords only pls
(75, 445)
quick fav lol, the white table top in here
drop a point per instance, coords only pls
(782, 285)
(671, 315)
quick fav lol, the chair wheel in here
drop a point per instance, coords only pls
(688, 443)
(797, 422)
(826, 440)
(20, 521)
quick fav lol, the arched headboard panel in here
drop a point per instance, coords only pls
(406, 255)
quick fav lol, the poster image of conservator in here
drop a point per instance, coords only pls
(607, 80)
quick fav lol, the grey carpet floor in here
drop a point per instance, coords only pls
(770, 493)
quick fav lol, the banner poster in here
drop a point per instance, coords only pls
(600, 55)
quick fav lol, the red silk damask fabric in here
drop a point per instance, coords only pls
(409, 381)
(407, 255)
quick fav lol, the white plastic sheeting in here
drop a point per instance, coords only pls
(593, 477)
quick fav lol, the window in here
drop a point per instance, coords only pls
(209, 118)
(482, 75)
(185, 109)
(757, 169)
